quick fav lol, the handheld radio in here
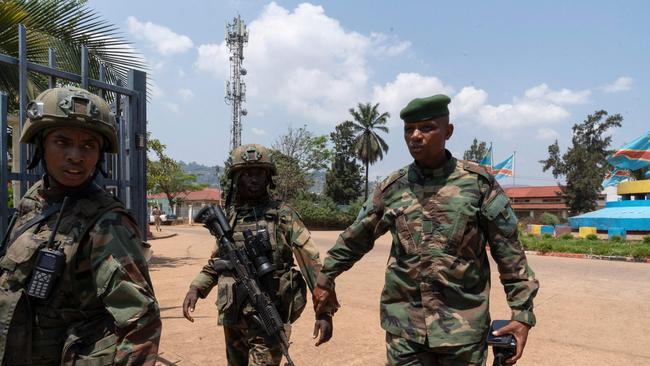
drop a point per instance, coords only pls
(49, 266)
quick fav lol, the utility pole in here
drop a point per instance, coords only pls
(236, 39)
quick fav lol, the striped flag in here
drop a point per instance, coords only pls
(634, 155)
(616, 176)
(504, 168)
(487, 159)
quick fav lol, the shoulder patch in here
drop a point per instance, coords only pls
(393, 178)
(478, 169)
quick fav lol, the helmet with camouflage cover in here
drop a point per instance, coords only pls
(250, 156)
(70, 107)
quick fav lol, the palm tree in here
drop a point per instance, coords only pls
(368, 145)
(63, 25)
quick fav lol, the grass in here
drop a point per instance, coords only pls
(596, 247)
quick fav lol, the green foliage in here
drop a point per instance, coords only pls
(616, 239)
(566, 236)
(547, 236)
(646, 239)
(166, 176)
(591, 237)
(309, 151)
(476, 152)
(640, 251)
(549, 219)
(291, 180)
(596, 247)
(343, 179)
(584, 164)
(368, 145)
(545, 247)
(320, 212)
(10, 195)
(63, 25)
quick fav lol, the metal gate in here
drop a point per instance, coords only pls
(127, 170)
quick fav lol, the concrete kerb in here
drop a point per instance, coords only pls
(590, 256)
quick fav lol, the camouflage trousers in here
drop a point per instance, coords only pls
(402, 352)
(249, 347)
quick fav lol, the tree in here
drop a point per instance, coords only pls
(309, 151)
(584, 164)
(368, 145)
(64, 26)
(476, 152)
(344, 178)
(291, 179)
(166, 176)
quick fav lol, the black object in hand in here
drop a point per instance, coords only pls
(504, 347)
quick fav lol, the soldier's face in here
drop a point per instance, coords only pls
(426, 140)
(252, 183)
(70, 155)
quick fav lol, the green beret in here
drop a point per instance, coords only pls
(421, 109)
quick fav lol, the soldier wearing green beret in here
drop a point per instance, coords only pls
(442, 213)
(250, 169)
(74, 283)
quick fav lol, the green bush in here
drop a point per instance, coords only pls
(547, 236)
(566, 236)
(530, 235)
(319, 212)
(640, 252)
(646, 239)
(545, 247)
(616, 239)
(549, 219)
(592, 237)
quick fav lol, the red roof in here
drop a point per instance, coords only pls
(533, 192)
(539, 206)
(206, 194)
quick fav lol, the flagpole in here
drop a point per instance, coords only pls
(491, 157)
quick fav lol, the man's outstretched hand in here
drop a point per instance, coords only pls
(324, 300)
(323, 328)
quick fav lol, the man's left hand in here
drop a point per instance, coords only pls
(520, 331)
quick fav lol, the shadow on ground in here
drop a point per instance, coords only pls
(158, 261)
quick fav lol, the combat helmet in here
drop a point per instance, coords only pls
(70, 107)
(250, 156)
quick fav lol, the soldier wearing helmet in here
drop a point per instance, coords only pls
(250, 169)
(74, 282)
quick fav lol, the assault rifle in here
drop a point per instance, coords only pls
(246, 275)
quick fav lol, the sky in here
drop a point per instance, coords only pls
(520, 74)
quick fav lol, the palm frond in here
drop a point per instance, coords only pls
(64, 26)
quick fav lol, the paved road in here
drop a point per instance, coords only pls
(589, 312)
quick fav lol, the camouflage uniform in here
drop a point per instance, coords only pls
(246, 343)
(437, 283)
(102, 310)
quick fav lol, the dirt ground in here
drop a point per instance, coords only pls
(589, 312)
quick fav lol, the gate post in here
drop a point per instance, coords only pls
(137, 81)
(4, 167)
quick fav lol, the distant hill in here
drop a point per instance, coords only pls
(208, 175)
(204, 174)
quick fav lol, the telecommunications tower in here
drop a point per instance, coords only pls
(236, 38)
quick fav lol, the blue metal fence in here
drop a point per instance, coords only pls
(126, 170)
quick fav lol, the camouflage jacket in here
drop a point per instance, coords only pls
(289, 238)
(437, 282)
(103, 306)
